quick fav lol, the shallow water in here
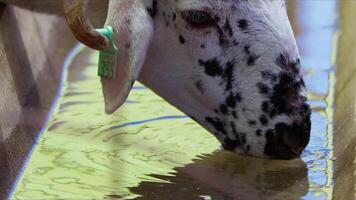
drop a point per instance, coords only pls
(150, 150)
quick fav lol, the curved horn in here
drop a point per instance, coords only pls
(76, 14)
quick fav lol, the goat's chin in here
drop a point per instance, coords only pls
(184, 99)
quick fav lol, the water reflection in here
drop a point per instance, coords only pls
(317, 21)
(223, 175)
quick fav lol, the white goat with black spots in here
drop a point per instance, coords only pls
(232, 65)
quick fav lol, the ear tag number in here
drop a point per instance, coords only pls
(107, 57)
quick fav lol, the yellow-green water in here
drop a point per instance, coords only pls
(147, 148)
(150, 150)
(84, 153)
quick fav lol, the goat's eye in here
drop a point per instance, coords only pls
(197, 19)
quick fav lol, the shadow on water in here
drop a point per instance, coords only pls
(150, 150)
(223, 175)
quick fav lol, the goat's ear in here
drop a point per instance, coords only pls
(133, 30)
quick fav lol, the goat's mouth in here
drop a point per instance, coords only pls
(286, 154)
(280, 154)
(288, 141)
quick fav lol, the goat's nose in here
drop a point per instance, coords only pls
(288, 141)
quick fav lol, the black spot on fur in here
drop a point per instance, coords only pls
(153, 10)
(234, 114)
(228, 75)
(247, 49)
(233, 128)
(235, 43)
(217, 124)
(285, 63)
(264, 121)
(224, 110)
(251, 60)
(212, 67)
(252, 122)
(243, 24)
(259, 132)
(232, 100)
(269, 147)
(272, 113)
(248, 147)
(181, 39)
(266, 107)
(262, 88)
(230, 144)
(285, 93)
(281, 60)
(269, 109)
(243, 138)
(174, 17)
(269, 76)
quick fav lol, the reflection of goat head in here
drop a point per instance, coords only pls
(226, 176)
(233, 66)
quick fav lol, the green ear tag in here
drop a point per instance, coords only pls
(107, 57)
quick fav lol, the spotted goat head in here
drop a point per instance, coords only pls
(232, 65)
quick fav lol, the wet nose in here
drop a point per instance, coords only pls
(288, 141)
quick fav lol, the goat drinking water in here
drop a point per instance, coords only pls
(232, 65)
